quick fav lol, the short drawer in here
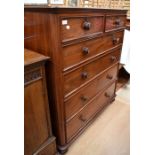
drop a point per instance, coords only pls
(78, 77)
(79, 100)
(82, 118)
(74, 54)
(77, 27)
(115, 22)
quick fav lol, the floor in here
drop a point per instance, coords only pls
(110, 133)
(123, 94)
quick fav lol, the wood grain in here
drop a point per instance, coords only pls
(86, 114)
(74, 54)
(45, 33)
(76, 27)
(75, 78)
(37, 124)
(82, 98)
(115, 22)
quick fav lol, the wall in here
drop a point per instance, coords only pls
(94, 3)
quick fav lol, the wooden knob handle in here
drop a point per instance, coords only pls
(84, 98)
(81, 117)
(107, 95)
(113, 58)
(86, 25)
(117, 22)
(116, 40)
(85, 50)
(84, 75)
(109, 76)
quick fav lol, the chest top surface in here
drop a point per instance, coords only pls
(48, 8)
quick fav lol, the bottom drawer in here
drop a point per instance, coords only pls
(83, 117)
(79, 100)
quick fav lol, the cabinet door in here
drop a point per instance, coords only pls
(35, 117)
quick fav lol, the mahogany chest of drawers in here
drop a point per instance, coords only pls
(38, 137)
(85, 47)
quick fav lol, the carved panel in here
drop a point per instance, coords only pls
(32, 76)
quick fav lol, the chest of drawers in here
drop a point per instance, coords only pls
(85, 48)
(38, 137)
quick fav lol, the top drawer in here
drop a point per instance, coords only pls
(115, 22)
(78, 27)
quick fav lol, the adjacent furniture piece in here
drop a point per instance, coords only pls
(38, 138)
(128, 24)
(85, 47)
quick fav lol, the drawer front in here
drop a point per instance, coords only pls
(82, 118)
(77, 27)
(82, 98)
(74, 54)
(81, 75)
(114, 22)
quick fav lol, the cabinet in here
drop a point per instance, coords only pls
(38, 137)
(85, 47)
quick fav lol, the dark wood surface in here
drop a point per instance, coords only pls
(67, 72)
(77, 53)
(57, 9)
(31, 57)
(128, 23)
(81, 98)
(38, 136)
(115, 22)
(80, 76)
(36, 34)
(80, 27)
(87, 113)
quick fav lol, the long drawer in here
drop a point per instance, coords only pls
(76, 53)
(81, 99)
(82, 118)
(77, 27)
(81, 75)
(115, 22)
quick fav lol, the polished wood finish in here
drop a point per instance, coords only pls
(38, 138)
(81, 99)
(78, 27)
(87, 113)
(83, 48)
(115, 22)
(78, 53)
(37, 38)
(80, 76)
(31, 58)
